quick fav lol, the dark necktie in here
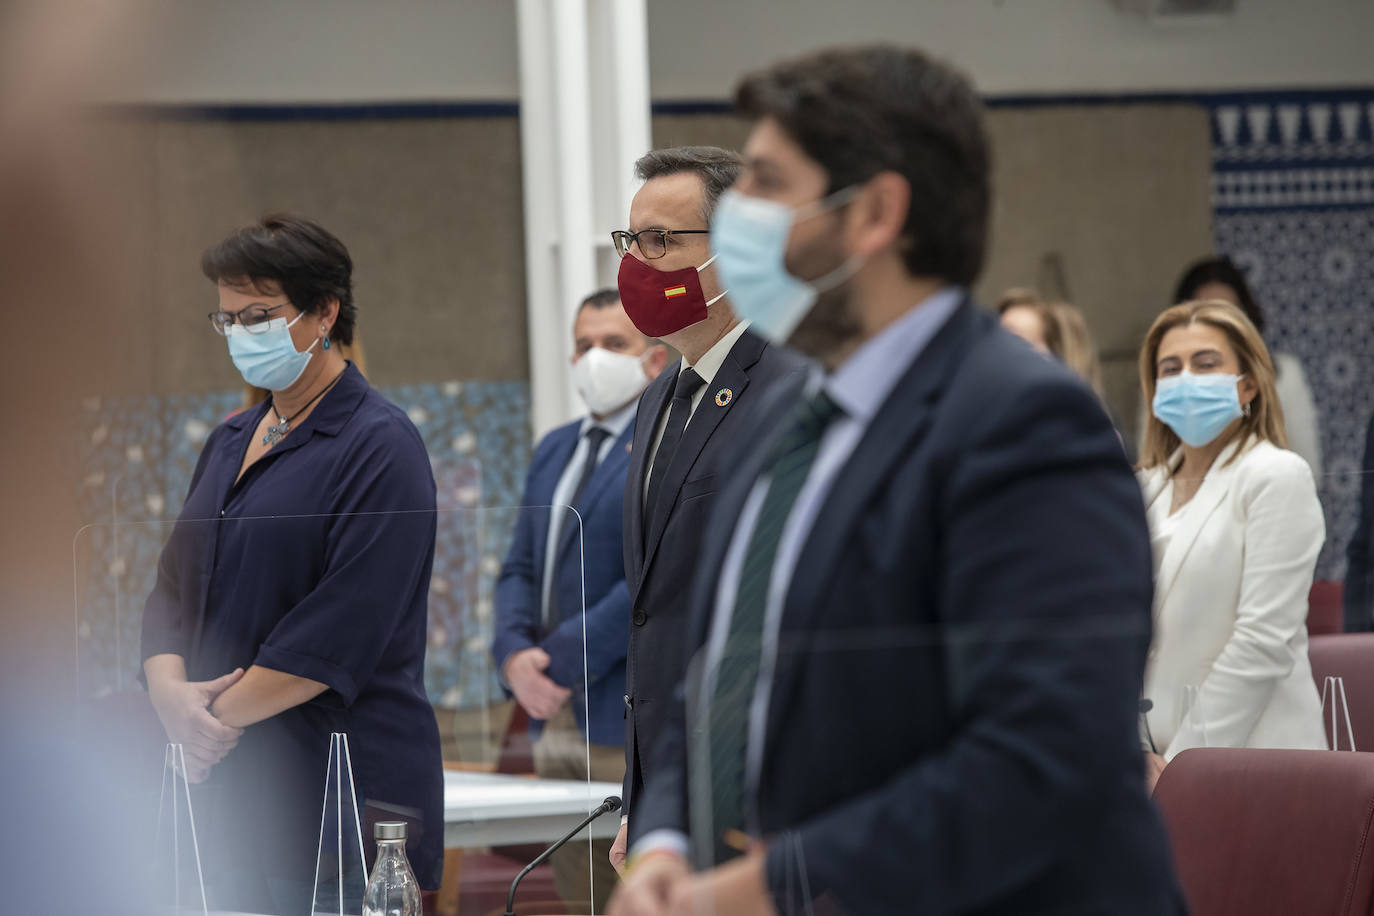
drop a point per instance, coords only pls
(736, 676)
(596, 437)
(568, 525)
(678, 415)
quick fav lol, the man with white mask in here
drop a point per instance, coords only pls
(538, 645)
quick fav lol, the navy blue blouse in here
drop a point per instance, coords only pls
(317, 564)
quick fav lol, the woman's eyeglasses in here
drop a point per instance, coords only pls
(254, 319)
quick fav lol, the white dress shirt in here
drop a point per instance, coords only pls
(1163, 523)
(860, 387)
(706, 367)
(560, 513)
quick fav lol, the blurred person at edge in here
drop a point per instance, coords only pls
(1236, 528)
(64, 221)
(575, 698)
(922, 605)
(696, 422)
(1220, 278)
(1359, 570)
(291, 597)
(1055, 329)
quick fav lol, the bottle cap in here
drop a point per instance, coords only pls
(390, 830)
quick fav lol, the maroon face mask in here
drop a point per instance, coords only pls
(661, 302)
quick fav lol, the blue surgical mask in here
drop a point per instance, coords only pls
(268, 358)
(749, 239)
(1197, 407)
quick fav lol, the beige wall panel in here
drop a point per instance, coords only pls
(430, 210)
(700, 129)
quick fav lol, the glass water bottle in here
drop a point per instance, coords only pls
(392, 890)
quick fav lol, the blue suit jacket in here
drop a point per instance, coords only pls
(953, 712)
(519, 589)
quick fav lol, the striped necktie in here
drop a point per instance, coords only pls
(736, 676)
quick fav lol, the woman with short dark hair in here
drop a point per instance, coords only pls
(291, 597)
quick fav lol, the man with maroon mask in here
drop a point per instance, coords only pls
(694, 420)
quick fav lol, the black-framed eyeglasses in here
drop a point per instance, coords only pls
(254, 318)
(653, 243)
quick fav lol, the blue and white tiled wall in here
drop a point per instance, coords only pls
(1293, 203)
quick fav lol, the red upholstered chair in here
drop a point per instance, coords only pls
(1325, 608)
(476, 882)
(1271, 832)
(1349, 656)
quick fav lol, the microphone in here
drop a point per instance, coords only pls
(612, 803)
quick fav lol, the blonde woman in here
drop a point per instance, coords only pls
(1220, 278)
(1054, 328)
(1236, 528)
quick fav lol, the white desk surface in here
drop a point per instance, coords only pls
(494, 809)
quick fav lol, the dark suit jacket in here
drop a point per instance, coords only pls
(952, 722)
(1359, 574)
(661, 562)
(596, 564)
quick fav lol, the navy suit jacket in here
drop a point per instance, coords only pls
(519, 589)
(952, 719)
(662, 560)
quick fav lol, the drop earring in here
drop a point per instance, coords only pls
(326, 340)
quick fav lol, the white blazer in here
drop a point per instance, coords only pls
(1230, 611)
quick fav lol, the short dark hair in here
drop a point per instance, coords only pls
(864, 110)
(601, 299)
(717, 168)
(1220, 269)
(303, 259)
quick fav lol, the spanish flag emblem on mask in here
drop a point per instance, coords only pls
(673, 292)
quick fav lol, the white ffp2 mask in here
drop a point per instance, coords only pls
(608, 381)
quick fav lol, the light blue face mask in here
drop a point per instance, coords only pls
(1197, 407)
(268, 358)
(749, 240)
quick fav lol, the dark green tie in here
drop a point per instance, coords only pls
(736, 676)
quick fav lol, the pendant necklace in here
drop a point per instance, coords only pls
(277, 431)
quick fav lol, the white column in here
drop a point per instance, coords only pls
(584, 119)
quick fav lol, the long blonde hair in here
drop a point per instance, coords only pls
(1066, 333)
(1265, 419)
